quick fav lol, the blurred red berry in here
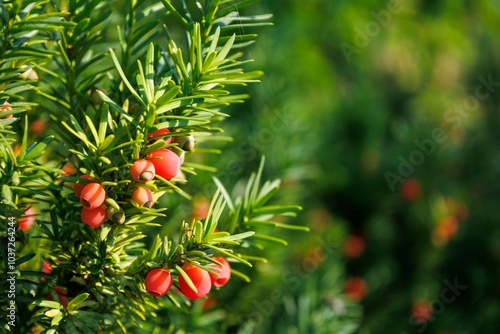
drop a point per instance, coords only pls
(355, 288)
(158, 282)
(422, 310)
(167, 163)
(143, 197)
(68, 169)
(223, 271)
(354, 247)
(410, 190)
(37, 126)
(27, 219)
(200, 208)
(92, 196)
(142, 170)
(200, 279)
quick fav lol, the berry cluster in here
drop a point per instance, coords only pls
(159, 280)
(163, 162)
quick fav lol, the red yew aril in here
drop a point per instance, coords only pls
(224, 272)
(167, 163)
(354, 246)
(410, 190)
(92, 196)
(142, 170)
(27, 219)
(77, 187)
(200, 279)
(160, 134)
(356, 288)
(158, 282)
(94, 217)
(422, 311)
(143, 197)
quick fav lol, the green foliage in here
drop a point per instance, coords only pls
(101, 92)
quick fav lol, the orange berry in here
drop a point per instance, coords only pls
(142, 170)
(37, 126)
(167, 163)
(92, 196)
(27, 219)
(143, 197)
(94, 217)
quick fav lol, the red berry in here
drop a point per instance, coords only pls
(158, 282)
(69, 169)
(37, 126)
(92, 196)
(354, 246)
(143, 197)
(61, 293)
(27, 219)
(142, 170)
(166, 162)
(94, 217)
(77, 187)
(160, 134)
(355, 288)
(224, 272)
(410, 190)
(46, 268)
(200, 279)
(422, 311)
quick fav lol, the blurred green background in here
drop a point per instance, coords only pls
(382, 119)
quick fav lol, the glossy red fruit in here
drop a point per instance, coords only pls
(158, 282)
(77, 187)
(142, 170)
(224, 272)
(356, 288)
(160, 134)
(166, 162)
(94, 217)
(143, 197)
(92, 196)
(200, 279)
(27, 219)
